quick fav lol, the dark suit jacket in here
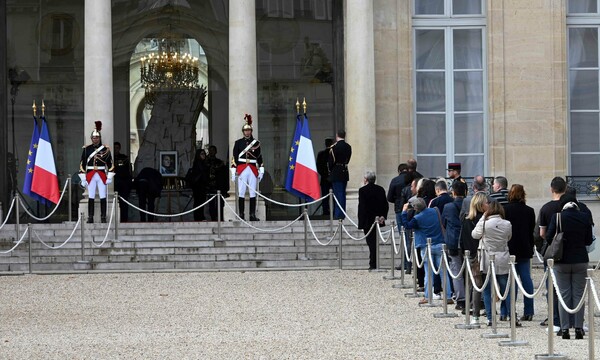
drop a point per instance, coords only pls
(371, 203)
(339, 157)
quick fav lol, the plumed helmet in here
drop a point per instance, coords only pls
(97, 129)
(247, 122)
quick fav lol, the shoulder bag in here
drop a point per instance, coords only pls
(555, 249)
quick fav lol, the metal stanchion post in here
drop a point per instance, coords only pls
(305, 215)
(591, 306)
(330, 199)
(377, 257)
(551, 354)
(17, 216)
(70, 192)
(513, 314)
(467, 325)
(392, 275)
(494, 334)
(219, 214)
(413, 250)
(444, 278)
(82, 238)
(29, 236)
(429, 274)
(117, 215)
(340, 249)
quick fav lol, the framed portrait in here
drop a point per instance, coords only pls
(168, 163)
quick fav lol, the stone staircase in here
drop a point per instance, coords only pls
(182, 246)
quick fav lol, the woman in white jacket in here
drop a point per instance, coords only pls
(494, 232)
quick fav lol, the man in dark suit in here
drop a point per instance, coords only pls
(339, 157)
(372, 206)
(323, 171)
(148, 184)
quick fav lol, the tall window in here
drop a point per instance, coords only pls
(450, 92)
(583, 24)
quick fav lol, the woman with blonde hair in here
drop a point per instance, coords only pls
(494, 233)
(467, 242)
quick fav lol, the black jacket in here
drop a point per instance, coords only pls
(394, 194)
(522, 219)
(339, 157)
(371, 203)
(577, 228)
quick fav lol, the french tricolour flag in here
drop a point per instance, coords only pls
(306, 178)
(45, 181)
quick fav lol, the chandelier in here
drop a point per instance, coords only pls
(168, 71)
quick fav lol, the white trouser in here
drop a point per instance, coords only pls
(96, 181)
(247, 177)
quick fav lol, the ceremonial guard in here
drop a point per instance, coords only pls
(247, 163)
(337, 162)
(96, 171)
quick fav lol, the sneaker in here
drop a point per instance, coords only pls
(489, 323)
(437, 297)
(555, 329)
(475, 320)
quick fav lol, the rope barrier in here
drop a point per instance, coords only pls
(344, 212)
(315, 236)
(538, 255)
(381, 235)
(358, 239)
(595, 293)
(497, 286)
(64, 243)
(408, 256)
(18, 242)
(473, 282)
(428, 251)
(55, 207)
(112, 213)
(168, 215)
(560, 298)
(462, 267)
(396, 250)
(284, 204)
(520, 284)
(416, 256)
(259, 229)
(12, 204)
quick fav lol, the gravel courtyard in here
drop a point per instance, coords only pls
(328, 314)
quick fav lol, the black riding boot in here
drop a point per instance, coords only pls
(103, 210)
(241, 202)
(253, 210)
(90, 211)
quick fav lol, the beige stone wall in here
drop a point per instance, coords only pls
(526, 75)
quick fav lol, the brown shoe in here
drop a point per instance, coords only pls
(423, 301)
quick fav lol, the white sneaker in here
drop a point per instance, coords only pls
(555, 328)
(475, 320)
(585, 328)
(437, 297)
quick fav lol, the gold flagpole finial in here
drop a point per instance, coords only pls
(304, 105)
(43, 109)
(34, 109)
(297, 106)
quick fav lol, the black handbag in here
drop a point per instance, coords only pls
(555, 248)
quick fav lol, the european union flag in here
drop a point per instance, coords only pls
(289, 179)
(33, 147)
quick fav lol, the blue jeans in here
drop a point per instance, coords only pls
(407, 264)
(436, 255)
(339, 190)
(487, 297)
(524, 271)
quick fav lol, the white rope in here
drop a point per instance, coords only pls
(396, 250)
(315, 236)
(431, 261)
(64, 243)
(112, 213)
(597, 266)
(18, 242)
(167, 215)
(344, 212)
(560, 298)
(284, 204)
(595, 293)
(405, 246)
(388, 232)
(460, 272)
(8, 214)
(485, 282)
(416, 256)
(497, 286)
(538, 255)
(520, 284)
(361, 238)
(55, 207)
(259, 229)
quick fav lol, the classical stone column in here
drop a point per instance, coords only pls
(242, 67)
(98, 82)
(359, 77)
(243, 98)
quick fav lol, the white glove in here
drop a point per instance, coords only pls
(232, 170)
(84, 184)
(261, 173)
(109, 177)
(83, 180)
